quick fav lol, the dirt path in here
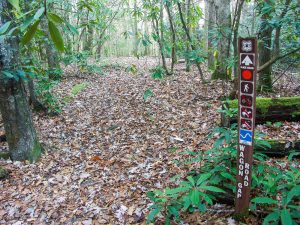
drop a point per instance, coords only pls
(109, 147)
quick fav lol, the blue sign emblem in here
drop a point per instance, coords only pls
(246, 137)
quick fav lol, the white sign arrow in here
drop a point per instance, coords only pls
(247, 61)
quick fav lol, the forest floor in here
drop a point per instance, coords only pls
(109, 146)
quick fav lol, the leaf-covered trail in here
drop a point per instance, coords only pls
(109, 147)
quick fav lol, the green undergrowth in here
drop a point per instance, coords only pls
(275, 191)
(4, 155)
(3, 173)
(75, 90)
(36, 152)
(263, 104)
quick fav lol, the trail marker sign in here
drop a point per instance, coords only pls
(246, 120)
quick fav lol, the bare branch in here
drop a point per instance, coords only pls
(275, 59)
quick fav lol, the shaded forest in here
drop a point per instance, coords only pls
(128, 111)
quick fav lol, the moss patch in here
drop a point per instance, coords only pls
(263, 104)
(76, 89)
(3, 173)
(4, 155)
(36, 152)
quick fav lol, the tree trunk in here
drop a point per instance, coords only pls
(173, 37)
(162, 35)
(135, 30)
(236, 25)
(188, 21)
(210, 24)
(265, 54)
(21, 136)
(224, 24)
(89, 39)
(147, 50)
(193, 47)
(52, 55)
(160, 44)
(33, 100)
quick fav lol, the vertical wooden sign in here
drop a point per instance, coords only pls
(246, 121)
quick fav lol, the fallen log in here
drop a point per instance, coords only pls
(267, 109)
(224, 198)
(279, 148)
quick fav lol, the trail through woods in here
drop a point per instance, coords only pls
(109, 147)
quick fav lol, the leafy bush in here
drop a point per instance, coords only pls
(81, 59)
(43, 89)
(281, 189)
(285, 209)
(157, 72)
(228, 112)
(190, 195)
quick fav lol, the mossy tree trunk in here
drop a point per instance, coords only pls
(265, 54)
(223, 20)
(20, 133)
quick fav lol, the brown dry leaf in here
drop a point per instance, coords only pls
(95, 158)
(109, 147)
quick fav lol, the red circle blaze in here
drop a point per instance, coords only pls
(247, 75)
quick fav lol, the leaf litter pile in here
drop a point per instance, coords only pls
(111, 145)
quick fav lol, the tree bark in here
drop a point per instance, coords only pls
(21, 136)
(224, 25)
(88, 40)
(211, 21)
(33, 100)
(135, 30)
(52, 55)
(235, 27)
(265, 54)
(193, 47)
(160, 44)
(278, 29)
(173, 37)
(188, 21)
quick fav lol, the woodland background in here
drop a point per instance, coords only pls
(111, 111)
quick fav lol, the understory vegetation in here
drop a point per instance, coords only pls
(130, 111)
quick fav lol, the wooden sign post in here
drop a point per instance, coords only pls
(246, 121)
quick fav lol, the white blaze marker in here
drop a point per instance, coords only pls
(247, 61)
